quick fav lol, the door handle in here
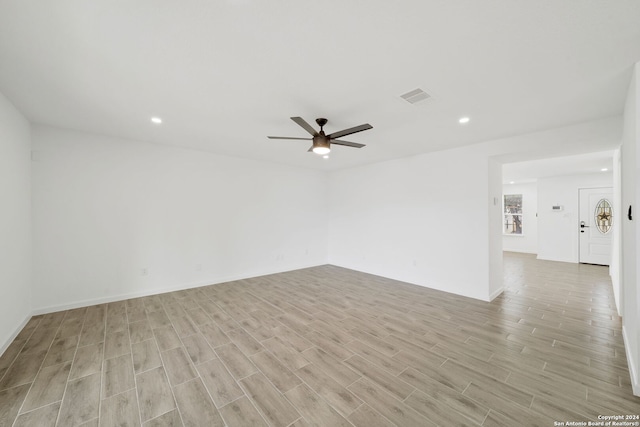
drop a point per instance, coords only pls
(583, 226)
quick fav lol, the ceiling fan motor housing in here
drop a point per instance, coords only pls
(320, 140)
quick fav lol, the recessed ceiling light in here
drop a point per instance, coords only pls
(604, 170)
(463, 120)
(512, 182)
(156, 120)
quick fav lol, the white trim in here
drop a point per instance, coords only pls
(495, 294)
(155, 291)
(520, 251)
(633, 367)
(410, 281)
(5, 345)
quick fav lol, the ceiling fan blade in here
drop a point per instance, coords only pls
(288, 137)
(347, 143)
(306, 126)
(349, 131)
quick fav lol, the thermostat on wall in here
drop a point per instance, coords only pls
(556, 208)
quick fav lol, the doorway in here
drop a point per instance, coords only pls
(595, 225)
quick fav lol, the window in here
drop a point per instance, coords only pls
(603, 216)
(512, 214)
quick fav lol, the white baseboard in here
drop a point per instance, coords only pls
(7, 343)
(520, 251)
(431, 285)
(633, 367)
(155, 291)
(495, 294)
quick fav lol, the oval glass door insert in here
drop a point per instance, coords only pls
(603, 216)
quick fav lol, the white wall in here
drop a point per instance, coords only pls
(106, 209)
(528, 241)
(630, 297)
(558, 231)
(15, 222)
(422, 219)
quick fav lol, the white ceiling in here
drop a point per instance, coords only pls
(224, 74)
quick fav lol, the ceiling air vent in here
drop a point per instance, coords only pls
(415, 96)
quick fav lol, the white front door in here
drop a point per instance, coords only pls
(595, 224)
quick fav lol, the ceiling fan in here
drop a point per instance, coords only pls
(321, 142)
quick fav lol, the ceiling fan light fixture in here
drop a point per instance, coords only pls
(321, 150)
(321, 141)
(321, 144)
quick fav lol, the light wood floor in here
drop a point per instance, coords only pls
(329, 346)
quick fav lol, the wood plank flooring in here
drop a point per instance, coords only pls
(327, 346)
